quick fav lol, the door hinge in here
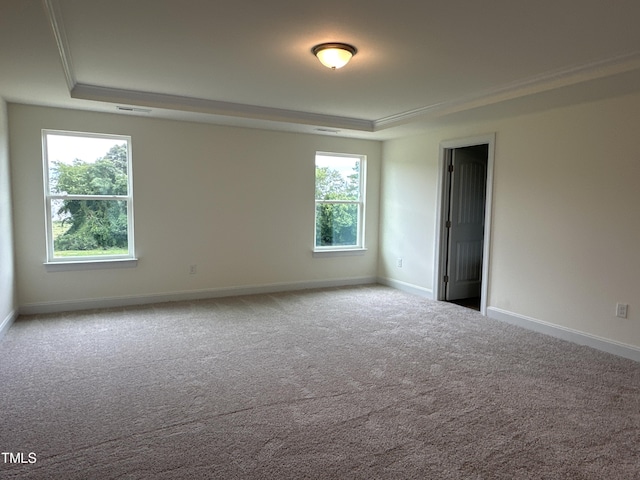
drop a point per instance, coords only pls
(448, 224)
(451, 167)
(446, 279)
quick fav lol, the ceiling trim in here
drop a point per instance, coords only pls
(52, 9)
(215, 107)
(528, 86)
(181, 103)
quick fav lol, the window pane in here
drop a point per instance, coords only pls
(336, 224)
(80, 165)
(337, 178)
(89, 227)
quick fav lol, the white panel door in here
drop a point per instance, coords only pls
(466, 217)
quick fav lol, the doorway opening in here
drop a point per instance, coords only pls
(463, 222)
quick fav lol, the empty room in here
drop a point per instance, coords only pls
(356, 240)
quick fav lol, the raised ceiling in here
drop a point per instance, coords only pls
(249, 62)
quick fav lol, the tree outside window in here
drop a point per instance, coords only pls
(339, 201)
(88, 196)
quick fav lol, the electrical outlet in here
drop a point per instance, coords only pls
(193, 269)
(399, 263)
(621, 310)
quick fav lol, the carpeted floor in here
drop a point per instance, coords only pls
(348, 383)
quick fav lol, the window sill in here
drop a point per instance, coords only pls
(63, 266)
(339, 252)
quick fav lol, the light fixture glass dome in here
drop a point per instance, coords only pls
(334, 55)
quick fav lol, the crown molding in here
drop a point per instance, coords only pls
(54, 15)
(215, 107)
(181, 103)
(529, 86)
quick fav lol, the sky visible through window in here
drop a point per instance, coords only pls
(344, 165)
(66, 148)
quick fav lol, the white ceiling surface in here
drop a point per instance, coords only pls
(248, 63)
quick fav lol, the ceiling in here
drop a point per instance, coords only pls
(249, 62)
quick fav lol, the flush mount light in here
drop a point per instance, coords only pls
(334, 55)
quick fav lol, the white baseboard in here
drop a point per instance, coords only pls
(125, 301)
(7, 322)
(406, 287)
(564, 333)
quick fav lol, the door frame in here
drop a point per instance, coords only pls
(440, 254)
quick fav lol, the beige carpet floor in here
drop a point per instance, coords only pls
(349, 383)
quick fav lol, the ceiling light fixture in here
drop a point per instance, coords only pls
(334, 55)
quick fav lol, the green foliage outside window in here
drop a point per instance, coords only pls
(337, 223)
(95, 224)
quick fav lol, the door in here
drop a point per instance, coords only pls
(465, 222)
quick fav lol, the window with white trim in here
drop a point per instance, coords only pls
(340, 201)
(88, 196)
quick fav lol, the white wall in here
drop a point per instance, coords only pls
(7, 271)
(237, 202)
(565, 230)
(566, 225)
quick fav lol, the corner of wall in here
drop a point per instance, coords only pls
(8, 297)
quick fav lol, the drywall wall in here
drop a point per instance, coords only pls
(565, 222)
(7, 270)
(238, 203)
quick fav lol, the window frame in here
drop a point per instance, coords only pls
(93, 261)
(359, 247)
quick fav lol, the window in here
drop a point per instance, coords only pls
(88, 196)
(340, 201)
